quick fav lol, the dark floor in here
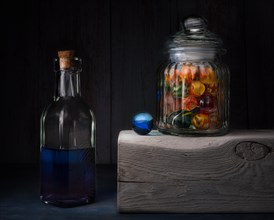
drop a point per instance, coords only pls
(19, 199)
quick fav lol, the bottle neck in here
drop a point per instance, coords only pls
(67, 84)
(67, 69)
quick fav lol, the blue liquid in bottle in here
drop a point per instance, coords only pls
(67, 176)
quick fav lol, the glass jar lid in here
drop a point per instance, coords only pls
(194, 41)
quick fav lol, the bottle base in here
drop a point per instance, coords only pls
(67, 203)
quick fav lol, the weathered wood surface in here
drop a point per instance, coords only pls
(163, 173)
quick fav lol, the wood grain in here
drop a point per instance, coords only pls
(191, 197)
(162, 173)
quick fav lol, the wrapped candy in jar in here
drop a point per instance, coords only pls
(193, 87)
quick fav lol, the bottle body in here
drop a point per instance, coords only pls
(193, 97)
(67, 149)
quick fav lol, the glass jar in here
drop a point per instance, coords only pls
(193, 86)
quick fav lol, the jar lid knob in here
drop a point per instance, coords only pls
(195, 24)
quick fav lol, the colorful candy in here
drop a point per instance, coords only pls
(142, 123)
(189, 103)
(191, 97)
(177, 91)
(212, 88)
(189, 73)
(197, 88)
(201, 121)
(207, 75)
(207, 103)
(171, 103)
(180, 119)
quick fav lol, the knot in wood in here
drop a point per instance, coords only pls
(250, 150)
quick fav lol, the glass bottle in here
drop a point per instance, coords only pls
(67, 140)
(193, 86)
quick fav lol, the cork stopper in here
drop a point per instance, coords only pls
(66, 58)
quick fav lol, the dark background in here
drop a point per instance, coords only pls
(120, 43)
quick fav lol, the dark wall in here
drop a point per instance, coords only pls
(120, 43)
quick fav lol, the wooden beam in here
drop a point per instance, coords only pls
(164, 173)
